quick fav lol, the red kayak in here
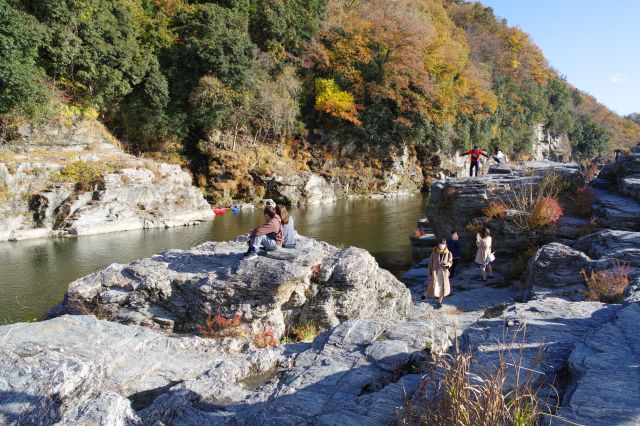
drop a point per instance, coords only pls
(220, 210)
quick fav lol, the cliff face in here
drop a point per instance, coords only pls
(73, 180)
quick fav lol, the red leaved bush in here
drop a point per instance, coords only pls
(266, 338)
(545, 211)
(218, 327)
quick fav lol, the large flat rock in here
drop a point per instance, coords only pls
(80, 370)
(175, 290)
(605, 368)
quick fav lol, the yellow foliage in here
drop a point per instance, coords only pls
(335, 102)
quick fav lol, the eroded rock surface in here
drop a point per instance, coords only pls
(37, 201)
(173, 290)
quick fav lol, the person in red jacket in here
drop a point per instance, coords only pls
(474, 154)
(269, 235)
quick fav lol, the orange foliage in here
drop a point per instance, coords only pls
(218, 327)
(265, 338)
(495, 210)
(545, 211)
(607, 286)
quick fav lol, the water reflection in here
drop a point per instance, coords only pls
(34, 274)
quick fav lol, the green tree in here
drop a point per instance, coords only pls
(588, 138)
(20, 74)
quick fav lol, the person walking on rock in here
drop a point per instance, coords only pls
(269, 235)
(485, 255)
(474, 156)
(288, 230)
(439, 263)
(453, 244)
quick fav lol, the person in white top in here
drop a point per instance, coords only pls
(500, 157)
(484, 255)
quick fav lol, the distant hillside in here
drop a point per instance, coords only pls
(180, 78)
(635, 117)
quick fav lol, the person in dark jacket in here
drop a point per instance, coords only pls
(453, 244)
(269, 235)
(474, 155)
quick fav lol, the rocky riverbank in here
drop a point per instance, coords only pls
(72, 181)
(143, 362)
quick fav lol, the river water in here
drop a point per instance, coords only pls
(35, 274)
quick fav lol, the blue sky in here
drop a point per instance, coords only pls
(594, 43)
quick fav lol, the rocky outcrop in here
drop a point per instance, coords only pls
(60, 181)
(548, 146)
(454, 204)
(174, 290)
(617, 190)
(78, 370)
(605, 375)
(555, 269)
(300, 189)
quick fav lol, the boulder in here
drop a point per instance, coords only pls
(175, 290)
(555, 269)
(549, 146)
(605, 378)
(300, 189)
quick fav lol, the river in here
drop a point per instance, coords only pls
(34, 274)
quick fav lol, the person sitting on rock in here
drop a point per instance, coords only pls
(439, 263)
(485, 256)
(474, 155)
(288, 230)
(499, 157)
(453, 244)
(269, 236)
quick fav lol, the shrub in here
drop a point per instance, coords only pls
(518, 267)
(85, 174)
(583, 200)
(495, 210)
(545, 211)
(476, 225)
(265, 338)
(607, 286)
(219, 327)
(453, 394)
(305, 332)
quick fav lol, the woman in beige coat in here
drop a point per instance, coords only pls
(485, 256)
(439, 263)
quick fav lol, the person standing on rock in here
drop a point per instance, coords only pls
(453, 244)
(474, 156)
(499, 157)
(485, 255)
(269, 236)
(288, 230)
(439, 263)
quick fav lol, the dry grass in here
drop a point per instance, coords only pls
(454, 393)
(304, 332)
(583, 200)
(85, 174)
(495, 210)
(476, 225)
(607, 286)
